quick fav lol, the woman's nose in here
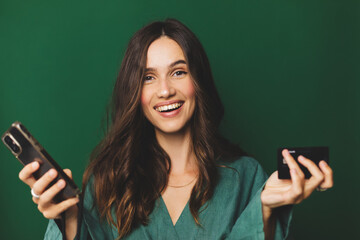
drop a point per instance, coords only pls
(165, 89)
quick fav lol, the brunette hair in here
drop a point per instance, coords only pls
(129, 167)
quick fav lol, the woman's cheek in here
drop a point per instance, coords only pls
(190, 89)
(145, 102)
(145, 99)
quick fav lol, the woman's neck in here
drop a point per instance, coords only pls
(180, 150)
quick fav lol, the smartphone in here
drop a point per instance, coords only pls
(26, 149)
(316, 154)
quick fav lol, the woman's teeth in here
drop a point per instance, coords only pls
(168, 108)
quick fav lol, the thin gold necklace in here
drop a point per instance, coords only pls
(187, 184)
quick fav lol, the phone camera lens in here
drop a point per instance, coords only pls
(15, 148)
(8, 140)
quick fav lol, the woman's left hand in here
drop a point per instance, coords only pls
(280, 192)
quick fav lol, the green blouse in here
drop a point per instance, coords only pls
(234, 212)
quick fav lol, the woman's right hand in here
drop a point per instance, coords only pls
(46, 204)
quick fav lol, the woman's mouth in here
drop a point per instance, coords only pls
(169, 107)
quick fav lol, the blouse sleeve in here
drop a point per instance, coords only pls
(250, 224)
(53, 231)
(56, 229)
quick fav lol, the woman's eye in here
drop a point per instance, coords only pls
(148, 78)
(179, 73)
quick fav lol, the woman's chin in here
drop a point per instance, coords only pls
(172, 128)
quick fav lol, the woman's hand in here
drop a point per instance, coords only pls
(280, 192)
(46, 205)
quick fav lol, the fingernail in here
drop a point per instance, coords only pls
(323, 163)
(34, 165)
(301, 158)
(61, 183)
(286, 152)
(52, 173)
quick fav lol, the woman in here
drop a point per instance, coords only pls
(163, 171)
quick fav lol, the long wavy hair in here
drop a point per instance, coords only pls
(129, 167)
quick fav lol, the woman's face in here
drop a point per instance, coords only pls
(168, 94)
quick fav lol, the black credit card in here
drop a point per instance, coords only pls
(316, 154)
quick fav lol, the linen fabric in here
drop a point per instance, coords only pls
(234, 212)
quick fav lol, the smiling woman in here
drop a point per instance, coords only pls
(163, 170)
(168, 94)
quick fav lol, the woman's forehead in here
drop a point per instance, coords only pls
(163, 52)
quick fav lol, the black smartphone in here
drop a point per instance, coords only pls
(26, 149)
(316, 154)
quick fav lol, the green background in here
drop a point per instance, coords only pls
(287, 71)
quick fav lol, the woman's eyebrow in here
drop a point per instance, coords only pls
(170, 66)
(176, 63)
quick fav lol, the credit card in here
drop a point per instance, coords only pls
(316, 154)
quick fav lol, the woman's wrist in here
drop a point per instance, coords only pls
(267, 212)
(269, 222)
(71, 220)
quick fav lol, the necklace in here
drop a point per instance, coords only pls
(187, 184)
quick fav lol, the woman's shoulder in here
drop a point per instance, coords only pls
(244, 168)
(88, 193)
(242, 163)
(239, 179)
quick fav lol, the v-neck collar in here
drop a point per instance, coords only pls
(166, 211)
